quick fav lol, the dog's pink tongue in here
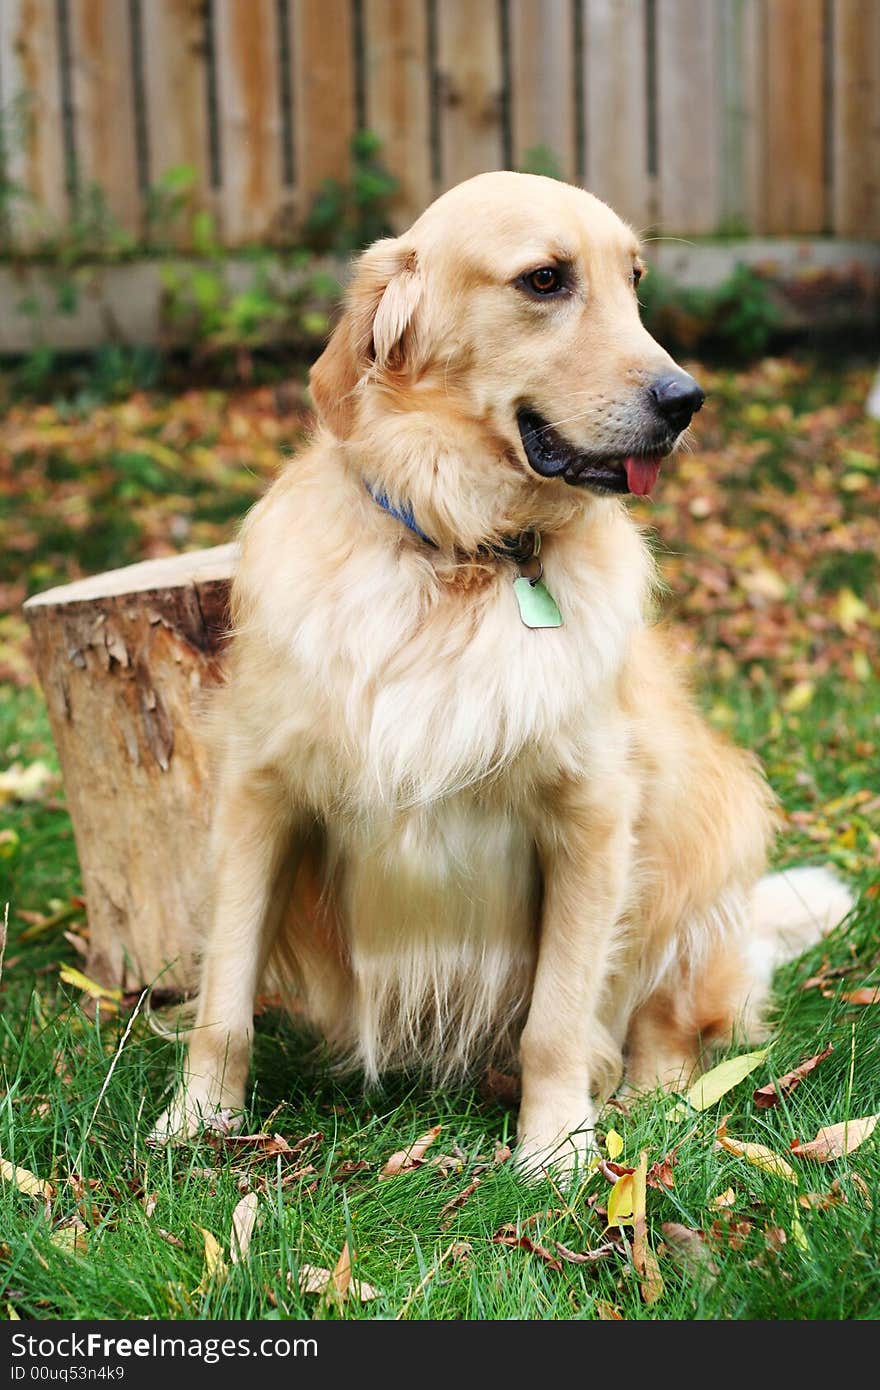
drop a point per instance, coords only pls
(641, 474)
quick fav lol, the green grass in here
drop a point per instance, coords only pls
(144, 1211)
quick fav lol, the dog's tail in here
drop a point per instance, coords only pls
(793, 910)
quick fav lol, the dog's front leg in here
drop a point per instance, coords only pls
(254, 855)
(585, 853)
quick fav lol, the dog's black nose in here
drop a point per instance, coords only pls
(677, 397)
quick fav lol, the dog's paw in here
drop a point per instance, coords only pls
(559, 1150)
(194, 1109)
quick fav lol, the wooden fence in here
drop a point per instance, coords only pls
(694, 116)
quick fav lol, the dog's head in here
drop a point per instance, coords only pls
(509, 309)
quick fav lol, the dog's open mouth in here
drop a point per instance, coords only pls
(553, 457)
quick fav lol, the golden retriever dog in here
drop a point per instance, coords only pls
(465, 803)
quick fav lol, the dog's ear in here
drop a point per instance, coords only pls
(379, 310)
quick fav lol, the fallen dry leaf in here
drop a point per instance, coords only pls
(172, 1240)
(588, 1257)
(660, 1173)
(340, 1278)
(775, 1238)
(348, 1169)
(312, 1278)
(151, 1201)
(651, 1286)
(834, 1141)
(508, 1236)
(760, 1156)
(687, 1246)
(727, 1198)
(767, 1096)
(458, 1200)
(26, 1181)
(317, 1279)
(612, 1171)
(728, 1231)
(71, 1237)
(406, 1159)
(862, 996)
(243, 1221)
(820, 1201)
(268, 1145)
(606, 1312)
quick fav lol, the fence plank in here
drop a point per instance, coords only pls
(794, 138)
(252, 198)
(542, 97)
(103, 105)
(469, 85)
(617, 110)
(176, 92)
(687, 116)
(30, 90)
(398, 98)
(856, 118)
(322, 47)
(742, 82)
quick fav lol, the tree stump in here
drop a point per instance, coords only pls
(124, 659)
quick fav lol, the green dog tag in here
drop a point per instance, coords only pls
(537, 606)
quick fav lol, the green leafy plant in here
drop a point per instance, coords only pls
(167, 205)
(345, 217)
(233, 307)
(740, 315)
(540, 159)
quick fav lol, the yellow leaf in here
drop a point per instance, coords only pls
(857, 458)
(74, 977)
(215, 1265)
(760, 1156)
(713, 1084)
(798, 1235)
(850, 610)
(854, 482)
(72, 1239)
(764, 583)
(25, 1180)
(620, 1202)
(798, 697)
(613, 1144)
(861, 666)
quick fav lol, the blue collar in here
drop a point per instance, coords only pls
(516, 548)
(404, 514)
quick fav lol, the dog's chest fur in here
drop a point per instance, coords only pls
(421, 730)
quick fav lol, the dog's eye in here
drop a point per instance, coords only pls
(637, 273)
(545, 280)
